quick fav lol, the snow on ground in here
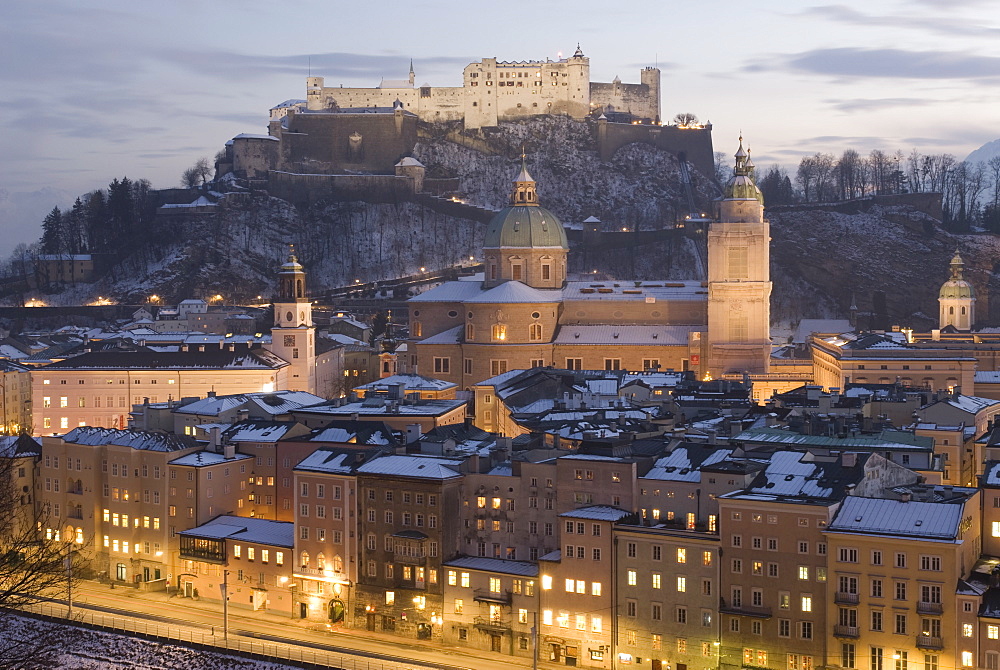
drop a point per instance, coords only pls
(80, 648)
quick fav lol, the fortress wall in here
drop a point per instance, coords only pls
(253, 156)
(323, 142)
(636, 99)
(308, 189)
(695, 144)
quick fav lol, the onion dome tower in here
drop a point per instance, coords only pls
(739, 281)
(957, 299)
(524, 241)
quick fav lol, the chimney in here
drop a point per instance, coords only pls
(242, 414)
(849, 459)
(905, 497)
(413, 433)
(229, 451)
(211, 394)
(215, 439)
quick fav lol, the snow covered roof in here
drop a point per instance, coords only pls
(679, 466)
(450, 336)
(9, 351)
(134, 439)
(968, 403)
(423, 467)
(626, 335)
(411, 382)
(596, 513)
(809, 326)
(884, 441)
(18, 446)
(981, 376)
(511, 292)
(246, 529)
(521, 568)
(202, 458)
(636, 291)
(877, 516)
(324, 460)
(252, 136)
(259, 431)
(409, 161)
(378, 406)
(452, 291)
(991, 474)
(171, 360)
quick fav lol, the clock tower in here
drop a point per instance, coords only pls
(293, 336)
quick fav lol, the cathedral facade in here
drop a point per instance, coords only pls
(524, 312)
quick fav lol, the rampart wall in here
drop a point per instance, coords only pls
(692, 144)
(308, 189)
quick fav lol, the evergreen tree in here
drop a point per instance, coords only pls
(52, 232)
(73, 225)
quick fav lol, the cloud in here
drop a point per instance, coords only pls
(857, 62)
(938, 25)
(875, 104)
(333, 64)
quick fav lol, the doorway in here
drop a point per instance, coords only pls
(303, 610)
(336, 611)
(495, 643)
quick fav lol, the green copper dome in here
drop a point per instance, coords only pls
(524, 224)
(741, 186)
(956, 286)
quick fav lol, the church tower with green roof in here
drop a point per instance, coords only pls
(739, 281)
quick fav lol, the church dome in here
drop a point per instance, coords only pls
(524, 224)
(741, 186)
(956, 287)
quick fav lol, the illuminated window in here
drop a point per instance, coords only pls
(807, 604)
(681, 584)
(499, 332)
(967, 630)
(632, 579)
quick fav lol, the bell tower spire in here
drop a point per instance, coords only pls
(293, 336)
(524, 191)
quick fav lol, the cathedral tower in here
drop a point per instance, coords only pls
(524, 241)
(293, 336)
(957, 299)
(739, 286)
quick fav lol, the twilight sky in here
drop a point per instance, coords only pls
(97, 90)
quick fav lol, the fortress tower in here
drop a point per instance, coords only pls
(293, 336)
(957, 299)
(739, 286)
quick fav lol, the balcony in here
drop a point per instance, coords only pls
(492, 624)
(844, 598)
(758, 612)
(930, 642)
(486, 596)
(929, 608)
(845, 631)
(410, 558)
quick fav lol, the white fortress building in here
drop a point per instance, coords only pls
(494, 91)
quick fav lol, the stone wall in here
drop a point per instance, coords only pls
(308, 189)
(692, 144)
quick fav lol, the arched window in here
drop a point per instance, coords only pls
(304, 559)
(298, 288)
(470, 332)
(535, 332)
(320, 561)
(951, 310)
(963, 311)
(417, 329)
(338, 564)
(499, 332)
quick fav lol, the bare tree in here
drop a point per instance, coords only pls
(30, 565)
(686, 119)
(198, 174)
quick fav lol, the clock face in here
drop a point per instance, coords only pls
(289, 317)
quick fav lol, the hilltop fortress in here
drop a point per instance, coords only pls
(350, 142)
(494, 91)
